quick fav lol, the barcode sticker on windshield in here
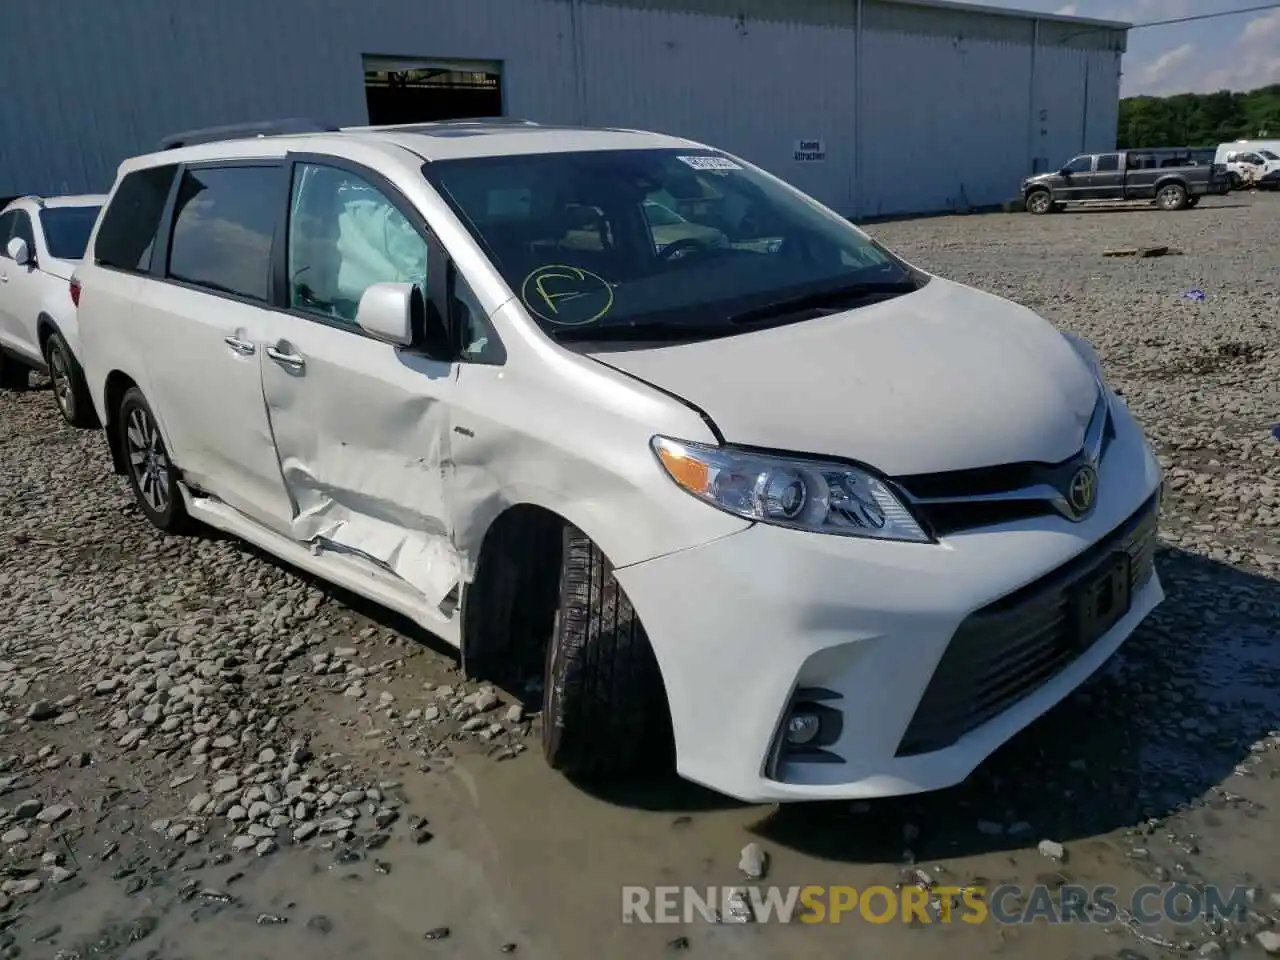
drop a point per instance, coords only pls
(711, 163)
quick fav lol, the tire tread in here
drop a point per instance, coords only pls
(606, 705)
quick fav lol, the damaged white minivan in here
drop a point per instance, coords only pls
(742, 487)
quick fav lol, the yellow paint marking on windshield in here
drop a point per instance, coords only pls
(553, 284)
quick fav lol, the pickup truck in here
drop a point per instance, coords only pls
(1173, 178)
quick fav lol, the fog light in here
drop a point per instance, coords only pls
(802, 727)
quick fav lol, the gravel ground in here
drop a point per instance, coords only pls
(205, 755)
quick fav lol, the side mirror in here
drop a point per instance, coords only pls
(386, 310)
(19, 252)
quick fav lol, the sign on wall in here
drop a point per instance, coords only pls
(810, 151)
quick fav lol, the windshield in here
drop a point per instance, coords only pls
(666, 238)
(67, 229)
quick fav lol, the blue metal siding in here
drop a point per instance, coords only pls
(101, 81)
(750, 88)
(945, 122)
(941, 112)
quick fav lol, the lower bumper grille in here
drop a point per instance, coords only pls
(1011, 647)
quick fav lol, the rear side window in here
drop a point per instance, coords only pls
(128, 232)
(67, 229)
(1108, 162)
(223, 224)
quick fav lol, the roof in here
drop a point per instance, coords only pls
(429, 141)
(1014, 12)
(71, 200)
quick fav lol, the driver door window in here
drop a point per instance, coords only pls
(345, 236)
(1080, 165)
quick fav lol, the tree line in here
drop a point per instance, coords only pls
(1199, 119)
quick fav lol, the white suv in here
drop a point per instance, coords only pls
(41, 242)
(825, 524)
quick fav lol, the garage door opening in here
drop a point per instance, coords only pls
(399, 90)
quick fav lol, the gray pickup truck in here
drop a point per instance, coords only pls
(1173, 178)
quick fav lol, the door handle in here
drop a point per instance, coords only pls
(290, 360)
(242, 347)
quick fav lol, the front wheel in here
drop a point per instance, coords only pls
(69, 389)
(152, 476)
(1172, 196)
(604, 708)
(1039, 202)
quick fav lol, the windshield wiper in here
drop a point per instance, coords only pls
(657, 330)
(840, 296)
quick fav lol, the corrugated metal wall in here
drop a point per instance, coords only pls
(950, 122)
(942, 97)
(89, 82)
(752, 88)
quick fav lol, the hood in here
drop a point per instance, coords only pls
(946, 378)
(1040, 177)
(61, 269)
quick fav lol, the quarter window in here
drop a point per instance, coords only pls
(345, 236)
(127, 235)
(222, 228)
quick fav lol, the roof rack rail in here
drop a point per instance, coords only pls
(241, 131)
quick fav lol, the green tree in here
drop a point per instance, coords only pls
(1199, 119)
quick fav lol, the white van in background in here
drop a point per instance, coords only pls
(1251, 161)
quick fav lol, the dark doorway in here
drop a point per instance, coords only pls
(403, 92)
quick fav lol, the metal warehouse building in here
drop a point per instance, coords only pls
(874, 106)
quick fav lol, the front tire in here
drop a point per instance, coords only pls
(152, 475)
(69, 390)
(604, 707)
(1172, 196)
(1039, 202)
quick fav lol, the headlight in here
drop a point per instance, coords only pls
(1084, 350)
(800, 494)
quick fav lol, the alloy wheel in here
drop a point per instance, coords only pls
(147, 460)
(61, 377)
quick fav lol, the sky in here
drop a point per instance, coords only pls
(1227, 53)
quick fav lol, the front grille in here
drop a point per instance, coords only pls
(1011, 647)
(958, 500)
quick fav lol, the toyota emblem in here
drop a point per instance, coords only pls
(1082, 491)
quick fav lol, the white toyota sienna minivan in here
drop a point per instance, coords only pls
(739, 484)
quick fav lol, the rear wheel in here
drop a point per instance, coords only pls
(13, 375)
(1172, 196)
(152, 476)
(69, 389)
(1039, 202)
(604, 706)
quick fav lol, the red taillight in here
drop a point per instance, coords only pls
(75, 292)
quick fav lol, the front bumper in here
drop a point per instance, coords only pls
(740, 624)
